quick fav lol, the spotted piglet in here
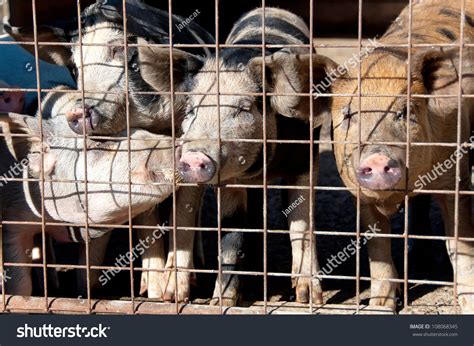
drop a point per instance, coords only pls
(242, 117)
(382, 170)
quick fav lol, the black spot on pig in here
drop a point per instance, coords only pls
(279, 24)
(457, 14)
(447, 33)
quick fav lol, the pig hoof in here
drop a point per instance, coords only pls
(229, 291)
(466, 302)
(388, 302)
(226, 301)
(151, 282)
(183, 287)
(384, 293)
(303, 291)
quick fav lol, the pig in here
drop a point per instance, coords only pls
(381, 170)
(63, 159)
(11, 101)
(100, 70)
(202, 161)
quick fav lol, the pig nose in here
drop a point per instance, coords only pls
(76, 120)
(379, 172)
(196, 167)
(12, 101)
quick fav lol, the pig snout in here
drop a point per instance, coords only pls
(379, 172)
(12, 101)
(196, 167)
(77, 122)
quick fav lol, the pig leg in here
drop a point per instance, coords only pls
(17, 245)
(188, 205)
(464, 260)
(234, 203)
(382, 292)
(153, 257)
(304, 258)
(97, 249)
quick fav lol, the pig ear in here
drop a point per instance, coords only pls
(34, 162)
(59, 55)
(29, 145)
(427, 65)
(17, 124)
(155, 65)
(289, 74)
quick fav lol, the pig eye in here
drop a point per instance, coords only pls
(239, 111)
(346, 112)
(401, 115)
(190, 111)
(116, 52)
(247, 109)
(244, 108)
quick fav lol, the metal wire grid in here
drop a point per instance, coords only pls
(133, 306)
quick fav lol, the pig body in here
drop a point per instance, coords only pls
(287, 116)
(384, 175)
(107, 174)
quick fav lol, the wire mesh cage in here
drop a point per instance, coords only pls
(290, 189)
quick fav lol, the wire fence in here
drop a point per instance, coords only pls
(357, 278)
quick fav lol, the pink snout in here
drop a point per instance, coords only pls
(196, 167)
(379, 172)
(12, 101)
(77, 121)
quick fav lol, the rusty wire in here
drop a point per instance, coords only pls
(407, 157)
(135, 306)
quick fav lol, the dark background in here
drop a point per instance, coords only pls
(332, 18)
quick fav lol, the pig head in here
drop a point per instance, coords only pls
(102, 64)
(239, 119)
(64, 163)
(379, 163)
